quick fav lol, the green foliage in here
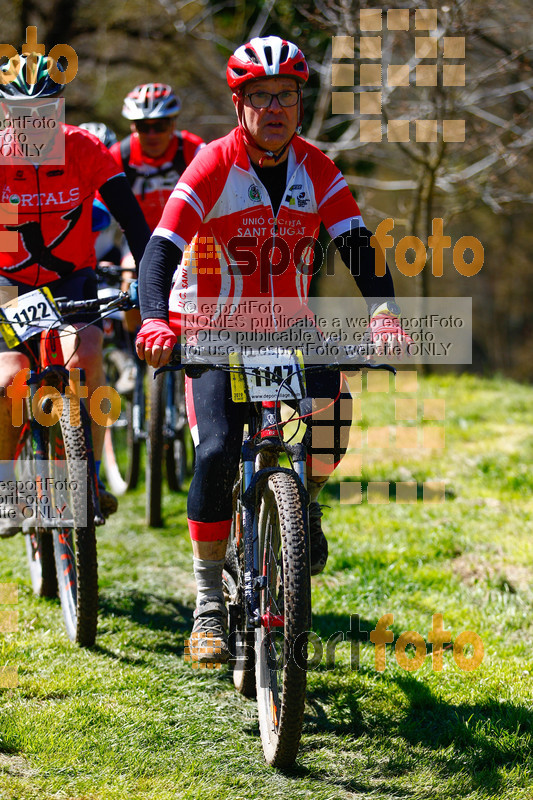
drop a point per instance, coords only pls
(130, 719)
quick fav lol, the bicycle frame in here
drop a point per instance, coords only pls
(139, 402)
(263, 441)
(261, 446)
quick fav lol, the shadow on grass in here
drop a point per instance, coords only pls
(480, 740)
(487, 735)
(148, 610)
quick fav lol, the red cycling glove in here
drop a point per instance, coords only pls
(387, 334)
(155, 333)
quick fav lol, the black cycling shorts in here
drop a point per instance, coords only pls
(217, 424)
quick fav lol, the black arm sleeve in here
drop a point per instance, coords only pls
(120, 200)
(360, 258)
(158, 264)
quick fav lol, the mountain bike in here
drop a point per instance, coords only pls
(153, 412)
(267, 568)
(55, 470)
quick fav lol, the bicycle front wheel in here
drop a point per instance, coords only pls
(74, 536)
(281, 639)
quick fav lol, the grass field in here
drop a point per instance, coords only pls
(130, 719)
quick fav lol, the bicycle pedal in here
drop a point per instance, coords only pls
(202, 649)
(99, 519)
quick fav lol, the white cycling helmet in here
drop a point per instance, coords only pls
(27, 77)
(101, 131)
(151, 101)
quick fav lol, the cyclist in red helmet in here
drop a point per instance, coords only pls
(261, 181)
(54, 246)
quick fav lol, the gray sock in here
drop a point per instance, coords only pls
(208, 576)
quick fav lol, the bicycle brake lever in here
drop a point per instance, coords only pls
(134, 293)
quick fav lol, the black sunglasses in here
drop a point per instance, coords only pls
(154, 126)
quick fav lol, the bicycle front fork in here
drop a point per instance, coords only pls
(252, 485)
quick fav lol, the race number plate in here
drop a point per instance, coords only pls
(27, 315)
(273, 374)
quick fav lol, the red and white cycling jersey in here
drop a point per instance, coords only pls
(54, 205)
(238, 248)
(153, 179)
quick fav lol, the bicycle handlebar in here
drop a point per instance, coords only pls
(355, 358)
(121, 300)
(113, 270)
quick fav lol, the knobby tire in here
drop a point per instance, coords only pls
(75, 544)
(176, 450)
(281, 660)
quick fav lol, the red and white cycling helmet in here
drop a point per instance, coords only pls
(151, 101)
(266, 57)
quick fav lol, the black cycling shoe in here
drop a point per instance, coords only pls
(209, 638)
(317, 540)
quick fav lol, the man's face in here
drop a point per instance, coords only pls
(274, 126)
(154, 135)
